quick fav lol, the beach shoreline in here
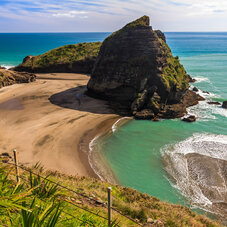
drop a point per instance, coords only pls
(46, 122)
(97, 159)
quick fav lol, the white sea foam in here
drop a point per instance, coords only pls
(182, 169)
(214, 146)
(201, 79)
(92, 146)
(92, 155)
(117, 123)
(7, 66)
(204, 111)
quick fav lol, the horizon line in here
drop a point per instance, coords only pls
(112, 32)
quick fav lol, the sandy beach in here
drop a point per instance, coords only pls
(52, 121)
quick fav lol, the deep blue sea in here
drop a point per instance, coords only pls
(135, 152)
(15, 46)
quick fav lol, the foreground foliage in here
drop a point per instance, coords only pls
(37, 202)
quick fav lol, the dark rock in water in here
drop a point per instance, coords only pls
(136, 69)
(195, 89)
(173, 111)
(206, 92)
(8, 77)
(191, 80)
(78, 58)
(214, 103)
(1, 67)
(144, 115)
(224, 104)
(155, 118)
(191, 118)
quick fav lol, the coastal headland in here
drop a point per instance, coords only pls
(52, 121)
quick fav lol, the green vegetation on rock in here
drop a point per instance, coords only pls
(142, 21)
(174, 74)
(67, 54)
(70, 58)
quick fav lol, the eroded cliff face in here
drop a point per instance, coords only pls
(136, 69)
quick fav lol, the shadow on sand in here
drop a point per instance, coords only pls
(76, 99)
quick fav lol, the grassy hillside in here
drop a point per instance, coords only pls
(70, 58)
(37, 202)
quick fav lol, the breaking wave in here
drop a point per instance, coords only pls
(201, 79)
(198, 167)
(119, 123)
(7, 66)
(204, 111)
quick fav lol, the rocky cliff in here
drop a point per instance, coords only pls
(78, 58)
(137, 72)
(8, 77)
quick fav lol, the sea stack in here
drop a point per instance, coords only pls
(136, 70)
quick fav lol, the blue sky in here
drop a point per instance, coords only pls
(109, 15)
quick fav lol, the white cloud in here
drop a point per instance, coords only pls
(109, 15)
(70, 14)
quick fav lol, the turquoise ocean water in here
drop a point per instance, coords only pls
(15, 46)
(135, 150)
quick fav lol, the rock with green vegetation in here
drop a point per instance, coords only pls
(78, 58)
(134, 64)
(8, 77)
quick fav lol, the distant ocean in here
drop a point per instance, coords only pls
(135, 151)
(15, 46)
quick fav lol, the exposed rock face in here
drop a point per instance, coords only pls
(214, 103)
(195, 89)
(78, 58)
(224, 104)
(190, 118)
(8, 77)
(136, 69)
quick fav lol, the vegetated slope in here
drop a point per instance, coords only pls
(78, 58)
(136, 69)
(8, 77)
(37, 202)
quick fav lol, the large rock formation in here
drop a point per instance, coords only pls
(8, 77)
(224, 105)
(136, 69)
(78, 58)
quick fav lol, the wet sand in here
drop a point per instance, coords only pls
(52, 121)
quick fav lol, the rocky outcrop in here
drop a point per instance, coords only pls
(214, 103)
(190, 118)
(78, 58)
(224, 105)
(8, 77)
(195, 89)
(136, 69)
